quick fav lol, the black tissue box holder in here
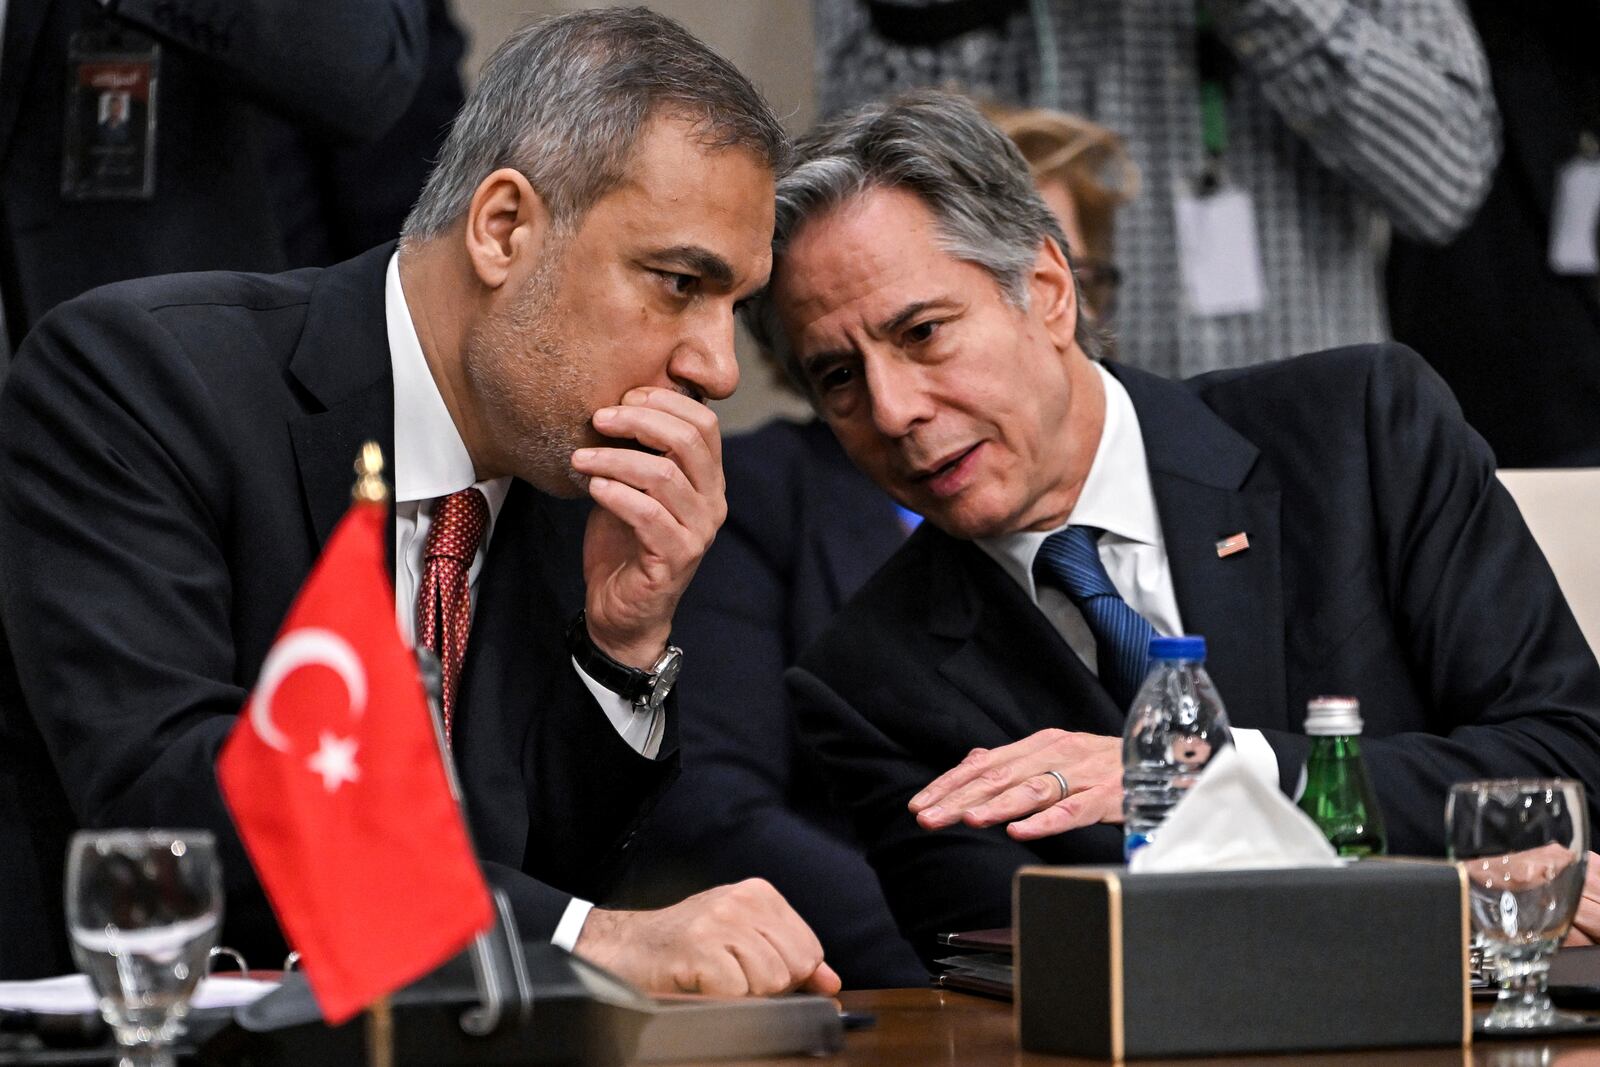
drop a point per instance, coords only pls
(1112, 965)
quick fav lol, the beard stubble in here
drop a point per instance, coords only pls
(534, 385)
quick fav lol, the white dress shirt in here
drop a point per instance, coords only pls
(1118, 499)
(431, 461)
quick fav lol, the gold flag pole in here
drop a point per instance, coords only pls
(485, 1017)
(370, 488)
(380, 1034)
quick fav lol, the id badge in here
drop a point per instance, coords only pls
(1575, 222)
(1218, 251)
(109, 148)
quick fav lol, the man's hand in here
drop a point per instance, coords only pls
(1536, 867)
(1586, 925)
(658, 511)
(999, 785)
(728, 941)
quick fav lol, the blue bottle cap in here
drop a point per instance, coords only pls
(1188, 646)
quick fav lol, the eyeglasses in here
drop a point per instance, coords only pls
(1099, 280)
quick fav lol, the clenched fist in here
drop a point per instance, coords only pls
(728, 941)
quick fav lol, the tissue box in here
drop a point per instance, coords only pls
(1112, 965)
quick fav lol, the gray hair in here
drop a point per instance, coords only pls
(969, 175)
(564, 100)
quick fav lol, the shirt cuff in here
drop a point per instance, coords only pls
(1256, 751)
(571, 924)
(642, 730)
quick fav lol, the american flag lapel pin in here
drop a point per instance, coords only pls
(1233, 545)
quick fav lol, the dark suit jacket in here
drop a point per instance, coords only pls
(805, 529)
(1519, 344)
(1385, 561)
(173, 452)
(347, 69)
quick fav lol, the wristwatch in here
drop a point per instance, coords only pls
(646, 690)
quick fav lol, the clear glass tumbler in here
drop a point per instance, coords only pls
(143, 911)
(1523, 843)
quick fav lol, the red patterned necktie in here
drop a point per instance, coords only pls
(444, 596)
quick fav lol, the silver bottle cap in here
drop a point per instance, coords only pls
(1333, 717)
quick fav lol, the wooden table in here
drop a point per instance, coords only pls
(926, 1027)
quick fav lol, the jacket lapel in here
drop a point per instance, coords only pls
(1209, 486)
(530, 585)
(342, 362)
(851, 551)
(491, 731)
(1007, 659)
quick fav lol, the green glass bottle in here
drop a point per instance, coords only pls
(1338, 795)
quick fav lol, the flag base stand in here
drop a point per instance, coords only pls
(503, 1002)
(562, 1010)
(499, 972)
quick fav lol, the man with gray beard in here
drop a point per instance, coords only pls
(174, 451)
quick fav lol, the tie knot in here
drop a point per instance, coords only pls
(457, 526)
(1070, 560)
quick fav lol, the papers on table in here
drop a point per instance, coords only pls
(71, 994)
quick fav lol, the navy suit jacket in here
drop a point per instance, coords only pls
(805, 529)
(173, 453)
(1385, 561)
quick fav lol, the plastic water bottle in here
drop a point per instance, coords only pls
(1176, 724)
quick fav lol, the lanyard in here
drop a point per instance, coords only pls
(1215, 64)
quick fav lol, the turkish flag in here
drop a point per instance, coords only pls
(335, 782)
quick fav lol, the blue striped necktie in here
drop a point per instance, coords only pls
(1070, 560)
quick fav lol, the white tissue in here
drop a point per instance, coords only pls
(1231, 820)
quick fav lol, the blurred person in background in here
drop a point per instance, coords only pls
(1084, 174)
(805, 530)
(1282, 130)
(1514, 332)
(335, 199)
(187, 191)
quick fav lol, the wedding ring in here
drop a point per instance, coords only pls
(1061, 780)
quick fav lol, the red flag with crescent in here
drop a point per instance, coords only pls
(335, 782)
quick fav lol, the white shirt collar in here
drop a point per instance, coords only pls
(1116, 497)
(430, 459)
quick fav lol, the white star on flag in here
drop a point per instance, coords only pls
(335, 760)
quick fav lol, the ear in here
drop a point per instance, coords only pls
(1052, 293)
(507, 226)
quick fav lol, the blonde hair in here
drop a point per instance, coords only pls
(1087, 158)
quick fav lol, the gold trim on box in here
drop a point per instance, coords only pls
(1466, 955)
(1112, 877)
(1114, 914)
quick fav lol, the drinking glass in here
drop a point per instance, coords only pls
(1523, 843)
(143, 911)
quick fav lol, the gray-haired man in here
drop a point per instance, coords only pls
(173, 452)
(1329, 524)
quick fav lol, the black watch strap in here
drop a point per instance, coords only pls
(630, 683)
